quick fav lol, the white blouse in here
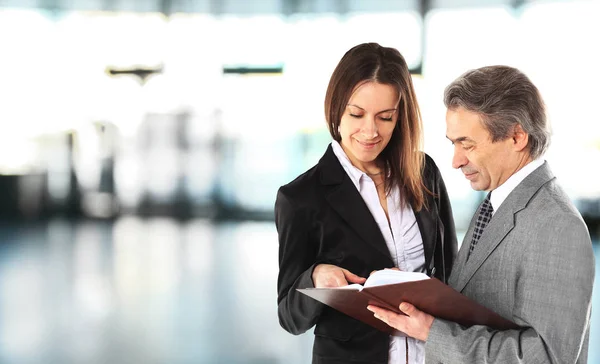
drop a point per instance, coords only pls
(403, 239)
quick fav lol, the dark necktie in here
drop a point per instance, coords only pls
(485, 215)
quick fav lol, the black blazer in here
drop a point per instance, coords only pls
(322, 218)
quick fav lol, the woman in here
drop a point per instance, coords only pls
(373, 201)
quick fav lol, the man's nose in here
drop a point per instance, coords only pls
(459, 159)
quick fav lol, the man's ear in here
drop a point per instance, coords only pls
(520, 138)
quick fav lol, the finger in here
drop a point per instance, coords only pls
(408, 309)
(377, 310)
(351, 277)
(379, 313)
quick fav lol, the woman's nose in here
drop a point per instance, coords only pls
(369, 128)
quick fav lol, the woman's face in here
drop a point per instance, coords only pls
(368, 122)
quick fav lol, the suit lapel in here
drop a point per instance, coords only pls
(345, 199)
(498, 228)
(462, 254)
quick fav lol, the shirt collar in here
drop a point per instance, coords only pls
(501, 192)
(354, 173)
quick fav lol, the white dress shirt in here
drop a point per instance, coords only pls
(403, 239)
(501, 192)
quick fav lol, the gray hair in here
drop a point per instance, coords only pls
(504, 97)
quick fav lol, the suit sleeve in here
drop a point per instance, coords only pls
(552, 305)
(450, 244)
(297, 256)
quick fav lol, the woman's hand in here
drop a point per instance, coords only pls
(328, 275)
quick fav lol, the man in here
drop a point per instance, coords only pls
(527, 254)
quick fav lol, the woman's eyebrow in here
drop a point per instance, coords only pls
(386, 110)
(356, 106)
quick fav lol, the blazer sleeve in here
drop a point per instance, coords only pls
(297, 259)
(552, 304)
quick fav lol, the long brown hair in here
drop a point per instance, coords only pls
(402, 159)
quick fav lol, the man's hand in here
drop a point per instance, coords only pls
(327, 275)
(415, 324)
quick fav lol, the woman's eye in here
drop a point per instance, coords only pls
(355, 115)
(386, 119)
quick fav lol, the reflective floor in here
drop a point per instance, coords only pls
(149, 291)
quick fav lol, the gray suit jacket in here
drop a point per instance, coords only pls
(534, 265)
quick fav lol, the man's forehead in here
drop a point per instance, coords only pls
(463, 124)
(462, 114)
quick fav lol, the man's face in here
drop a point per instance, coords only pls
(485, 164)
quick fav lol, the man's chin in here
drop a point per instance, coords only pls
(477, 187)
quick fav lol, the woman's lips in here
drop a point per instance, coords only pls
(367, 145)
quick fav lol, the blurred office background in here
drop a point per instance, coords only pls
(142, 143)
